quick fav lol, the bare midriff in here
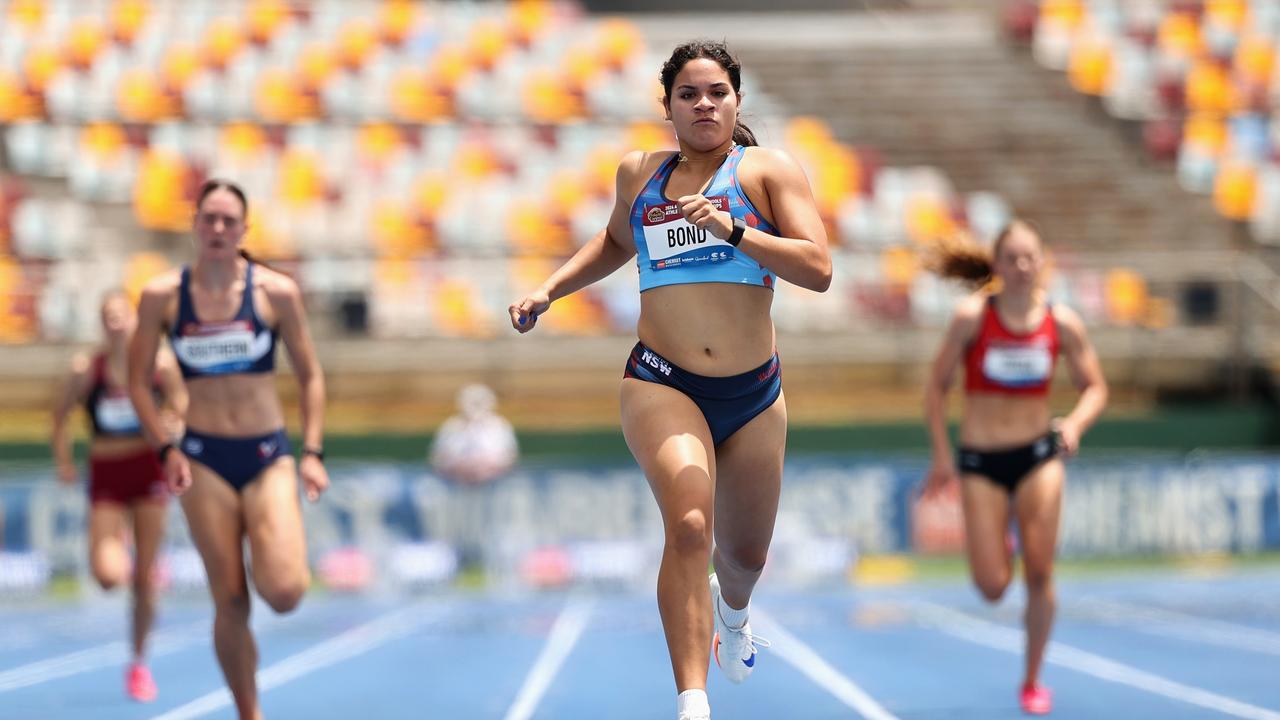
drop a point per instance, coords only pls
(995, 421)
(710, 329)
(241, 405)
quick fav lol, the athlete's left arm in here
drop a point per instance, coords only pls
(286, 300)
(174, 391)
(1086, 374)
(799, 253)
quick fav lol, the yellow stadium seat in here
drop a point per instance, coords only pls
(357, 40)
(39, 66)
(84, 40)
(102, 141)
(529, 20)
(431, 191)
(396, 19)
(396, 232)
(1125, 296)
(1209, 88)
(28, 14)
(450, 67)
(1207, 133)
(487, 43)
(533, 228)
(1254, 58)
(1234, 189)
(1179, 36)
(1225, 13)
(139, 270)
(300, 180)
(140, 97)
(618, 42)
(1089, 68)
(15, 102)
(315, 65)
(181, 63)
(415, 96)
(547, 100)
(378, 143)
(928, 218)
(264, 19)
(279, 99)
(126, 20)
(159, 195)
(457, 309)
(899, 265)
(222, 42)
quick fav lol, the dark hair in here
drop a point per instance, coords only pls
(711, 50)
(962, 258)
(212, 184)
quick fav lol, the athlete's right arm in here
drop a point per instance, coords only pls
(604, 253)
(73, 393)
(157, 296)
(960, 332)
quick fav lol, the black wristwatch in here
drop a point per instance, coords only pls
(162, 452)
(317, 452)
(739, 227)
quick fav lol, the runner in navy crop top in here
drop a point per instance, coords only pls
(1008, 344)
(233, 467)
(713, 226)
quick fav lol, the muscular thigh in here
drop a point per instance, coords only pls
(273, 521)
(749, 479)
(213, 512)
(1038, 506)
(986, 521)
(669, 438)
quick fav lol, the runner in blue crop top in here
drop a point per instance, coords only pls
(232, 468)
(712, 227)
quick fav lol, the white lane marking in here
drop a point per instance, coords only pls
(350, 644)
(564, 635)
(1169, 623)
(982, 632)
(806, 660)
(94, 658)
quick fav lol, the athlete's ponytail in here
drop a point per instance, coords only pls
(743, 136)
(961, 257)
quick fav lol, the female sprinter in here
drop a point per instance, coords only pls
(712, 224)
(232, 468)
(126, 486)
(1008, 461)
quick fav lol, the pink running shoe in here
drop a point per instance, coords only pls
(1036, 700)
(139, 684)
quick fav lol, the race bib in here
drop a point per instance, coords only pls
(116, 414)
(222, 345)
(1017, 365)
(673, 241)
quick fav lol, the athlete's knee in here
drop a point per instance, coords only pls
(746, 561)
(108, 572)
(284, 596)
(1039, 580)
(690, 533)
(992, 586)
(232, 606)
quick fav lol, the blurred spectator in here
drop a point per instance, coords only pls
(477, 444)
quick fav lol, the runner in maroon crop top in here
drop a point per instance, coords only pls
(125, 483)
(1009, 464)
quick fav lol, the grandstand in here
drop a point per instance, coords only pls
(416, 164)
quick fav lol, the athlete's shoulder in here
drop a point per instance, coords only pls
(1067, 319)
(276, 284)
(640, 163)
(163, 286)
(769, 159)
(971, 308)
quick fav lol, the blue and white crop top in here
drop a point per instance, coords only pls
(672, 251)
(241, 345)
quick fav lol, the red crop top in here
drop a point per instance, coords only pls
(1001, 361)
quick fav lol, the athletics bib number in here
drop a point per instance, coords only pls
(116, 414)
(673, 241)
(1017, 365)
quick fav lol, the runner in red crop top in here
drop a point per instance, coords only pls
(1009, 464)
(126, 488)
